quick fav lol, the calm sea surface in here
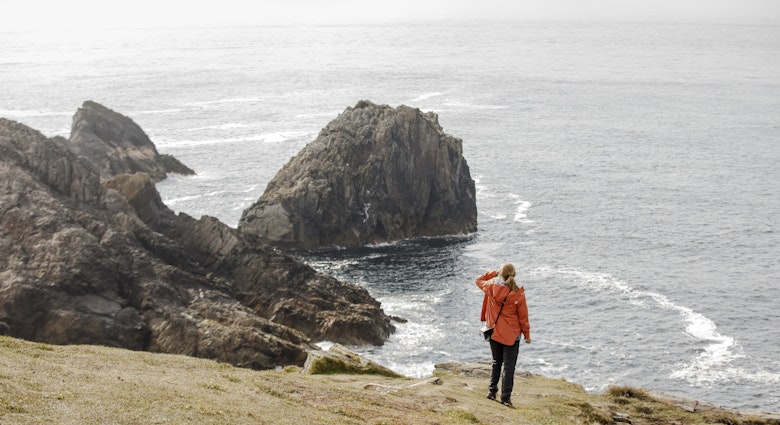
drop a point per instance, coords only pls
(631, 172)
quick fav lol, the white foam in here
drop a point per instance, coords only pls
(366, 210)
(328, 265)
(709, 365)
(482, 190)
(465, 105)
(547, 367)
(521, 206)
(250, 189)
(426, 96)
(412, 370)
(700, 374)
(324, 345)
(496, 215)
(275, 137)
(552, 369)
(521, 213)
(419, 304)
(414, 339)
(174, 201)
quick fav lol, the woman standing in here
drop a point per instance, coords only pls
(504, 309)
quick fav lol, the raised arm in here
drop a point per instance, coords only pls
(482, 280)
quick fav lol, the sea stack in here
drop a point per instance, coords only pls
(374, 174)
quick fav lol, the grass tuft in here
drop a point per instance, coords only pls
(463, 416)
(9, 406)
(214, 387)
(591, 414)
(629, 392)
(231, 378)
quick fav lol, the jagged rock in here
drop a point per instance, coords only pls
(283, 288)
(338, 359)
(374, 174)
(117, 145)
(110, 264)
(49, 164)
(140, 192)
(473, 370)
(388, 389)
(621, 417)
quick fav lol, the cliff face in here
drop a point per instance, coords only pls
(117, 145)
(374, 174)
(85, 262)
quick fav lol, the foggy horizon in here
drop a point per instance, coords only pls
(93, 14)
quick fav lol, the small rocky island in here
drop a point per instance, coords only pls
(374, 174)
(89, 254)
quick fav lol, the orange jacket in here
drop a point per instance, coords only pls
(514, 316)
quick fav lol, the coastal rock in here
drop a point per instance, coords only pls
(472, 370)
(373, 174)
(117, 145)
(338, 359)
(88, 263)
(140, 192)
(282, 288)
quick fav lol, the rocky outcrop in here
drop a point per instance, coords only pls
(108, 263)
(283, 288)
(374, 174)
(117, 145)
(140, 192)
(339, 359)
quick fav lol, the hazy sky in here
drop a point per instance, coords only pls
(58, 14)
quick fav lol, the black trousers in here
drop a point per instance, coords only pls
(504, 357)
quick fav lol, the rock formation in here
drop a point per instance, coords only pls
(374, 174)
(93, 259)
(339, 359)
(117, 145)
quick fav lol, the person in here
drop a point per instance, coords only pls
(508, 324)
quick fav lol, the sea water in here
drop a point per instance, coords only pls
(629, 170)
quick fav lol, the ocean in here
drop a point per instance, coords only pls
(630, 171)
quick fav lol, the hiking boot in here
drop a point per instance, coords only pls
(491, 396)
(508, 404)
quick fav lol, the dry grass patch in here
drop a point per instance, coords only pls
(42, 383)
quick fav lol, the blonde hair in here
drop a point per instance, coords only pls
(508, 274)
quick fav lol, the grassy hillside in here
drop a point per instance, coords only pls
(41, 383)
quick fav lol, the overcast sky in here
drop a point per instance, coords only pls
(16, 14)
